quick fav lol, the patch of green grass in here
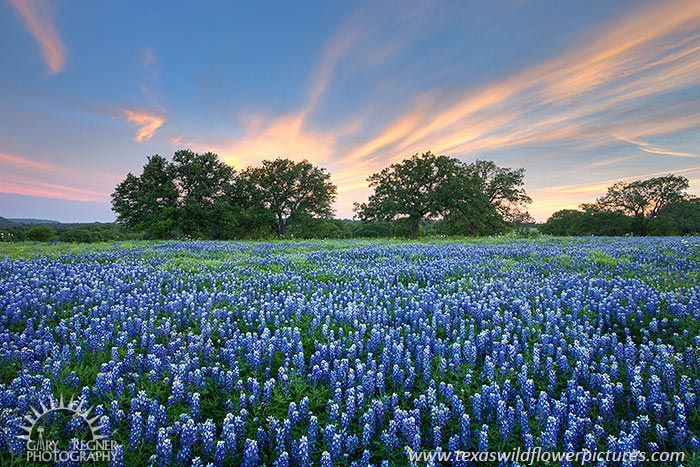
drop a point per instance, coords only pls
(601, 258)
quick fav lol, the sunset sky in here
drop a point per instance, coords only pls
(581, 93)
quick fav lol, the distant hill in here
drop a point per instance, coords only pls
(6, 222)
(32, 221)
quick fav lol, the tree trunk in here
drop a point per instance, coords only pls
(281, 226)
(415, 224)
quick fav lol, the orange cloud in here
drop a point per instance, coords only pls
(292, 135)
(148, 123)
(33, 187)
(37, 21)
(282, 137)
(579, 97)
(649, 53)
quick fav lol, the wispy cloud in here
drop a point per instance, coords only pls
(608, 161)
(148, 59)
(38, 21)
(574, 100)
(646, 147)
(24, 163)
(630, 60)
(293, 134)
(264, 139)
(578, 99)
(23, 176)
(358, 39)
(147, 122)
(32, 187)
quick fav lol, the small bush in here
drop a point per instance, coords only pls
(40, 233)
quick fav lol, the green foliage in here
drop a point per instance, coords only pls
(680, 218)
(376, 229)
(306, 226)
(422, 186)
(475, 199)
(206, 192)
(290, 191)
(198, 196)
(570, 222)
(657, 206)
(641, 199)
(148, 203)
(7, 236)
(504, 190)
(40, 233)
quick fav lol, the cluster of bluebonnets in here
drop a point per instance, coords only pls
(348, 353)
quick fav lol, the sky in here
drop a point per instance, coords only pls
(581, 93)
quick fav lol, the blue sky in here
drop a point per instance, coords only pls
(579, 93)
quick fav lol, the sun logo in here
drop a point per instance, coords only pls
(78, 409)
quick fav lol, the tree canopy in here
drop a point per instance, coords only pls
(206, 188)
(642, 198)
(658, 206)
(199, 196)
(475, 198)
(148, 202)
(421, 186)
(290, 190)
(504, 188)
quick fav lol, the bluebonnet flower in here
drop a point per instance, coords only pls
(302, 455)
(117, 456)
(251, 458)
(336, 446)
(364, 460)
(220, 454)
(208, 431)
(282, 460)
(313, 430)
(326, 459)
(389, 437)
(395, 341)
(548, 438)
(135, 431)
(483, 439)
(352, 443)
(367, 433)
(150, 430)
(188, 439)
(465, 432)
(164, 449)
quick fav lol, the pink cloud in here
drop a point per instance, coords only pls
(147, 122)
(37, 20)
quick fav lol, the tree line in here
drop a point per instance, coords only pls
(198, 196)
(656, 206)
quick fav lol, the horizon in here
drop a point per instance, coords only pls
(580, 94)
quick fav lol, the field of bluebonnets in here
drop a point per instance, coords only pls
(346, 353)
